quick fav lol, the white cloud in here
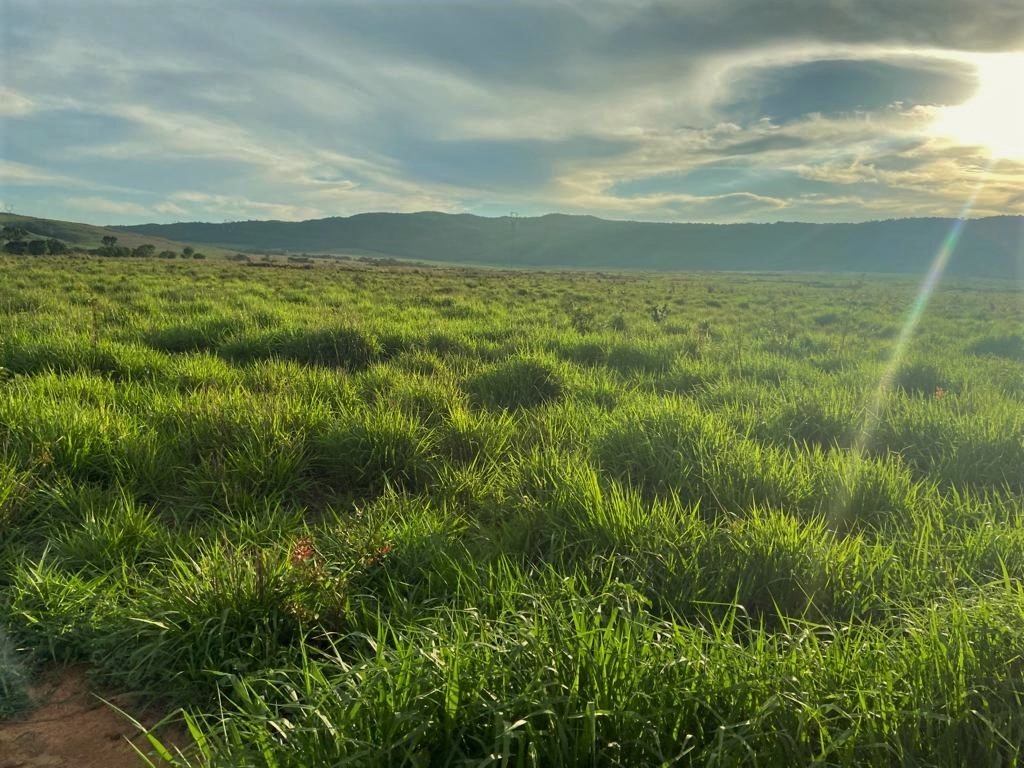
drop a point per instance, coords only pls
(241, 207)
(14, 104)
(95, 204)
(168, 208)
(20, 173)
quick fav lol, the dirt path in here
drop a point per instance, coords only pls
(71, 728)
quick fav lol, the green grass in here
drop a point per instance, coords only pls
(436, 517)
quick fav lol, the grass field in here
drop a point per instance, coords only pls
(362, 516)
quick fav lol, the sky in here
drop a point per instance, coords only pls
(699, 110)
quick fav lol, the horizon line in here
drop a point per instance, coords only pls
(566, 215)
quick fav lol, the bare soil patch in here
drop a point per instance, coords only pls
(69, 726)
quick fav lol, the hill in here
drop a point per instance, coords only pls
(988, 247)
(88, 235)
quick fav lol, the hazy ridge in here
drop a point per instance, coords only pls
(988, 247)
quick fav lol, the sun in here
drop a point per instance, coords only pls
(993, 118)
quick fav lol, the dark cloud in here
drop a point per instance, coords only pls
(681, 27)
(831, 87)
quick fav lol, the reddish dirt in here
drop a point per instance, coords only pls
(70, 727)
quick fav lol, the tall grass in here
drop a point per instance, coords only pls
(363, 516)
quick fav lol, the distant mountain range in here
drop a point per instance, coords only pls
(987, 247)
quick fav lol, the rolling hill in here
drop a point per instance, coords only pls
(988, 247)
(90, 236)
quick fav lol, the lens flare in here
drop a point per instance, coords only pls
(873, 411)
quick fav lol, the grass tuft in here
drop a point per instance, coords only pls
(520, 382)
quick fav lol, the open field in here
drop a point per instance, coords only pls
(351, 515)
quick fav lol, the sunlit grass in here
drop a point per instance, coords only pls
(366, 516)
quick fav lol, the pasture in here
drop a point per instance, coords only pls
(374, 516)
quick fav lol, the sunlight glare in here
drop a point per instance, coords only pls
(873, 411)
(993, 118)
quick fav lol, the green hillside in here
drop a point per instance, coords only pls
(90, 236)
(988, 247)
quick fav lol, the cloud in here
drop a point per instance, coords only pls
(21, 173)
(770, 143)
(168, 208)
(14, 104)
(991, 25)
(852, 172)
(104, 205)
(788, 92)
(693, 109)
(241, 207)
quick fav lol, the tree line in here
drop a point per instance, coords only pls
(17, 241)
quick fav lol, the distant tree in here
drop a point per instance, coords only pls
(37, 247)
(109, 247)
(144, 251)
(56, 247)
(16, 246)
(187, 251)
(167, 255)
(12, 232)
(197, 255)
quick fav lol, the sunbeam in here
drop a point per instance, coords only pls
(873, 411)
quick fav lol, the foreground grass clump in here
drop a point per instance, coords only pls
(354, 515)
(520, 382)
